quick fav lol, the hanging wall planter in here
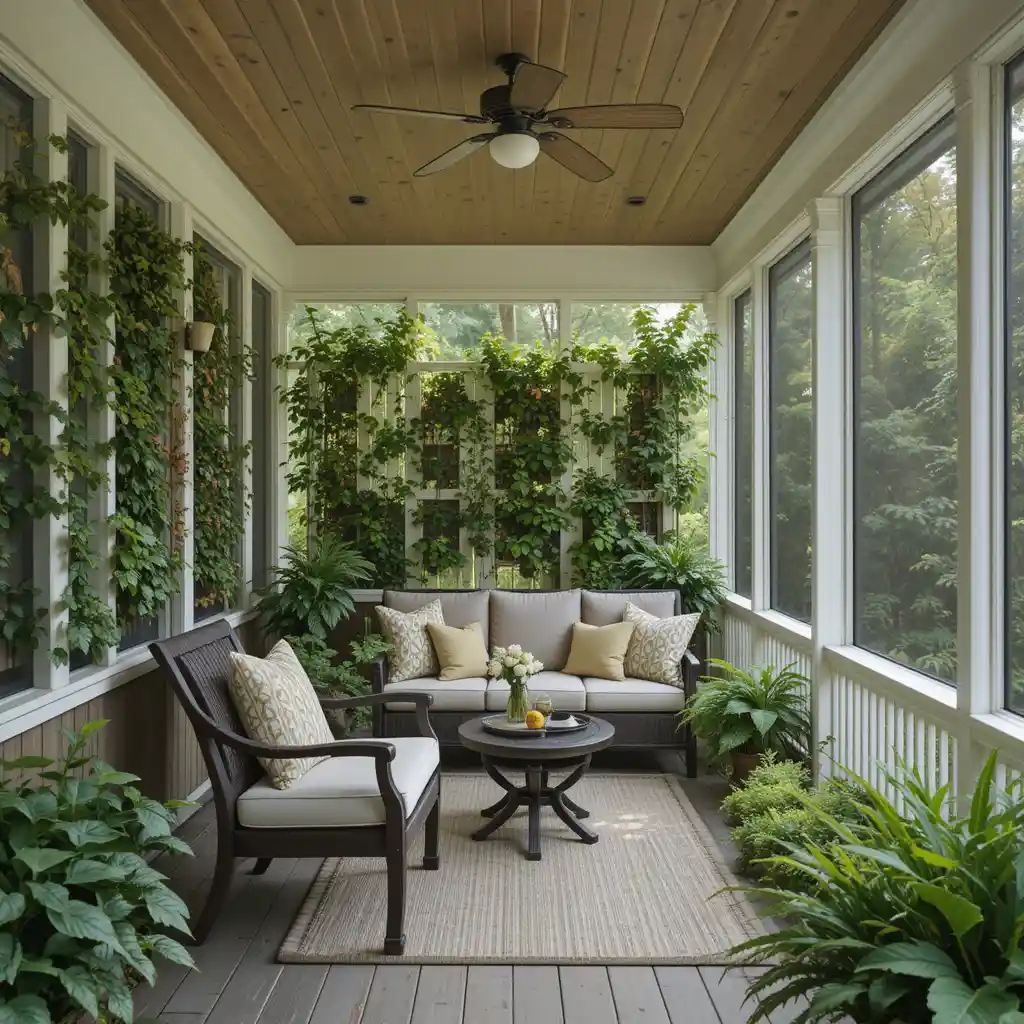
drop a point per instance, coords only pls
(199, 336)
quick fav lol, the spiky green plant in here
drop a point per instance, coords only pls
(915, 917)
(310, 592)
(752, 712)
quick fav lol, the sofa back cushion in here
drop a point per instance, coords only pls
(459, 609)
(541, 622)
(602, 607)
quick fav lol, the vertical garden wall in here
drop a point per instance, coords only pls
(452, 458)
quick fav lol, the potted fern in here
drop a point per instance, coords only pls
(742, 715)
(82, 912)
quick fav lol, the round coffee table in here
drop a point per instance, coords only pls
(535, 756)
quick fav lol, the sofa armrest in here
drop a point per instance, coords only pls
(691, 677)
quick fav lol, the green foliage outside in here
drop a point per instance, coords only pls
(82, 913)
(914, 917)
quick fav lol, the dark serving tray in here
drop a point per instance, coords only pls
(501, 726)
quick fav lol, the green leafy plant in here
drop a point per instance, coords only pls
(774, 784)
(602, 506)
(751, 712)
(310, 592)
(221, 495)
(680, 562)
(82, 913)
(914, 916)
(147, 275)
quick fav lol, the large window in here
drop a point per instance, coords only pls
(17, 594)
(905, 408)
(791, 315)
(743, 426)
(596, 322)
(1014, 363)
(453, 329)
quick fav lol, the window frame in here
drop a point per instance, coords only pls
(741, 307)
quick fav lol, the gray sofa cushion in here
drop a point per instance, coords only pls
(602, 609)
(458, 609)
(566, 692)
(449, 694)
(541, 622)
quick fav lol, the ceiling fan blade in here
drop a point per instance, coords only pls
(533, 86)
(618, 115)
(452, 156)
(443, 115)
(573, 157)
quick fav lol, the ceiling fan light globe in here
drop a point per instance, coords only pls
(514, 149)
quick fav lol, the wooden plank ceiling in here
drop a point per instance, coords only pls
(269, 83)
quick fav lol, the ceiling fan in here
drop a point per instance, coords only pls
(518, 110)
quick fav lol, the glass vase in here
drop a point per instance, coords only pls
(518, 700)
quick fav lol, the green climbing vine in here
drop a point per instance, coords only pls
(498, 483)
(147, 275)
(221, 495)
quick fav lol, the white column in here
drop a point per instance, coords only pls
(980, 586)
(760, 539)
(101, 419)
(50, 372)
(831, 524)
(182, 610)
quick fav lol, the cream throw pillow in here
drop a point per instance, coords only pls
(278, 705)
(657, 646)
(599, 650)
(412, 655)
(460, 649)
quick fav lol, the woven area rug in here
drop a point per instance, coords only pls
(640, 895)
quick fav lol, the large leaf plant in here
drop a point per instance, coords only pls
(915, 917)
(82, 912)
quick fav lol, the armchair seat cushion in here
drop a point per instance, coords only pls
(449, 694)
(566, 692)
(631, 695)
(341, 791)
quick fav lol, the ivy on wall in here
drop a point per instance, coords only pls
(506, 493)
(147, 275)
(221, 496)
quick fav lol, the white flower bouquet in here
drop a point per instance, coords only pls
(515, 666)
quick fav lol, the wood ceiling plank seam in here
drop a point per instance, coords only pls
(144, 51)
(677, 17)
(751, 109)
(705, 31)
(497, 36)
(477, 71)
(584, 25)
(264, 56)
(552, 44)
(524, 38)
(459, 184)
(612, 33)
(630, 70)
(368, 42)
(774, 59)
(739, 38)
(170, 39)
(367, 84)
(319, 32)
(198, 49)
(195, 24)
(397, 69)
(840, 54)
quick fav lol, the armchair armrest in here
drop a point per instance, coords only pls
(691, 677)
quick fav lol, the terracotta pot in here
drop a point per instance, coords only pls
(742, 766)
(200, 335)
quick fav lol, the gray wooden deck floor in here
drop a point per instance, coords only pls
(238, 981)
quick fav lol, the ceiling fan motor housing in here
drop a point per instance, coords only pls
(494, 102)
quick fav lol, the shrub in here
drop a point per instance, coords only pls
(915, 919)
(772, 785)
(80, 907)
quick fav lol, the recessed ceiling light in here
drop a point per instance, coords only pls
(636, 200)
(358, 200)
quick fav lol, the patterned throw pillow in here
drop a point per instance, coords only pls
(413, 655)
(657, 646)
(277, 704)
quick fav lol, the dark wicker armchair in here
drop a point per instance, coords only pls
(198, 665)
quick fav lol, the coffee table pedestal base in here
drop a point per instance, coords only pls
(534, 795)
